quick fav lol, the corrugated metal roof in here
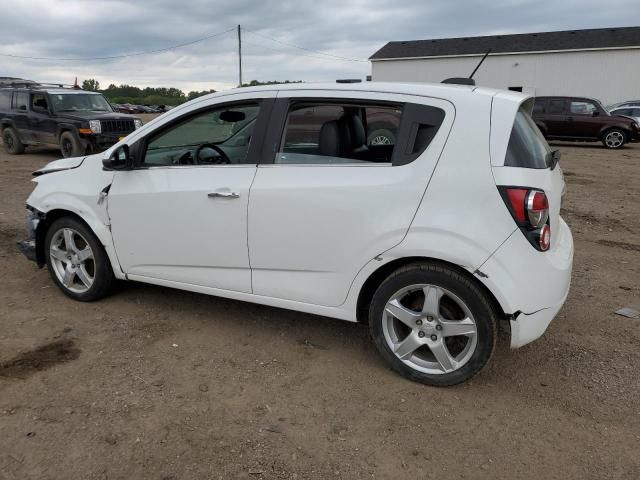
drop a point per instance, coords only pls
(524, 42)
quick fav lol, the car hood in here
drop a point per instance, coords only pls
(59, 165)
(94, 116)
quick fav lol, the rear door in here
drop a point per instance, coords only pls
(556, 118)
(323, 202)
(20, 110)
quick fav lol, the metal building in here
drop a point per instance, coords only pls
(601, 63)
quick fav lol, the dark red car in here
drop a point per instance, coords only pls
(582, 119)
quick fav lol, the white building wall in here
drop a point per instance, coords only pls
(608, 75)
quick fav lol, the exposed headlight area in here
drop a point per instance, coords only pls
(137, 123)
(95, 126)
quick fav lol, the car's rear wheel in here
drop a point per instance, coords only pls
(11, 141)
(614, 138)
(70, 145)
(77, 261)
(432, 324)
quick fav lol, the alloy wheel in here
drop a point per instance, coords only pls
(614, 139)
(429, 329)
(380, 140)
(72, 260)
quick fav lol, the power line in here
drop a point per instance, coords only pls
(111, 57)
(317, 52)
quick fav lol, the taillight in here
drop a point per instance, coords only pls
(529, 208)
(537, 208)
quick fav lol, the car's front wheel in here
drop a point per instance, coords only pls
(77, 261)
(614, 138)
(70, 145)
(432, 324)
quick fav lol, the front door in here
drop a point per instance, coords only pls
(181, 215)
(326, 199)
(585, 118)
(42, 126)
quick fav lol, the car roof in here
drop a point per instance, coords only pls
(441, 90)
(50, 90)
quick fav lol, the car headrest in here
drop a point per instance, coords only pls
(330, 140)
(355, 128)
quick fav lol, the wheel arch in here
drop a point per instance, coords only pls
(607, 128)
(374, 280)
(102, 233)
(6, 123)
(41, 232)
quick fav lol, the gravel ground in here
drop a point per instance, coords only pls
(153, 383)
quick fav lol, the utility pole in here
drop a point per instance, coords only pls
(239, 57)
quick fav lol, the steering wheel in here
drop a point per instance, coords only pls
(222, 157)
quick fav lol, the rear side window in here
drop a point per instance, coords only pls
(20, 100)
(538, 106)
(556, 106)
(336, 133)
(527, 147)
(5, 100)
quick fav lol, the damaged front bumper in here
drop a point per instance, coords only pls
(29, 246)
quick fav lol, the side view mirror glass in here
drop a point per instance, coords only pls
(118, 160)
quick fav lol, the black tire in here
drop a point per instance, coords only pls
(614, 138)
(381, 133)
(70, 145)
(11, 141)
(103, 279)
(478, 303)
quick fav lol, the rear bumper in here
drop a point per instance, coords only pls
(531, 286)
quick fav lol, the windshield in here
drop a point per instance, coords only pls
(79, 102)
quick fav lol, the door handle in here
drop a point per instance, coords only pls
(223, 195)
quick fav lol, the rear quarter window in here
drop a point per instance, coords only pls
(5, 100)
(527, 147)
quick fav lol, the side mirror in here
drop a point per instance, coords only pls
(119, 159)
(596, 113)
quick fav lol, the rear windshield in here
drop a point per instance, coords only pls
(527, 147)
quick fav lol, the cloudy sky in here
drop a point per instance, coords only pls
(352, 29)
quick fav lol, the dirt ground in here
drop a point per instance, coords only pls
(153, 383)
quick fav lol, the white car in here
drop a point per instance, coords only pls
(627, 111)
(272, 195)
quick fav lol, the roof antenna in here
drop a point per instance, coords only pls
(470, 80)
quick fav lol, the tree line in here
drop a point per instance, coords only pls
(155, 95)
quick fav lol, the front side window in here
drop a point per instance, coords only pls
(215, 137)
(339, 134)
(38, 102)
(79, 102)
(582, 108)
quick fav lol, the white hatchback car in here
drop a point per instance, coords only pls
(274, 196)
